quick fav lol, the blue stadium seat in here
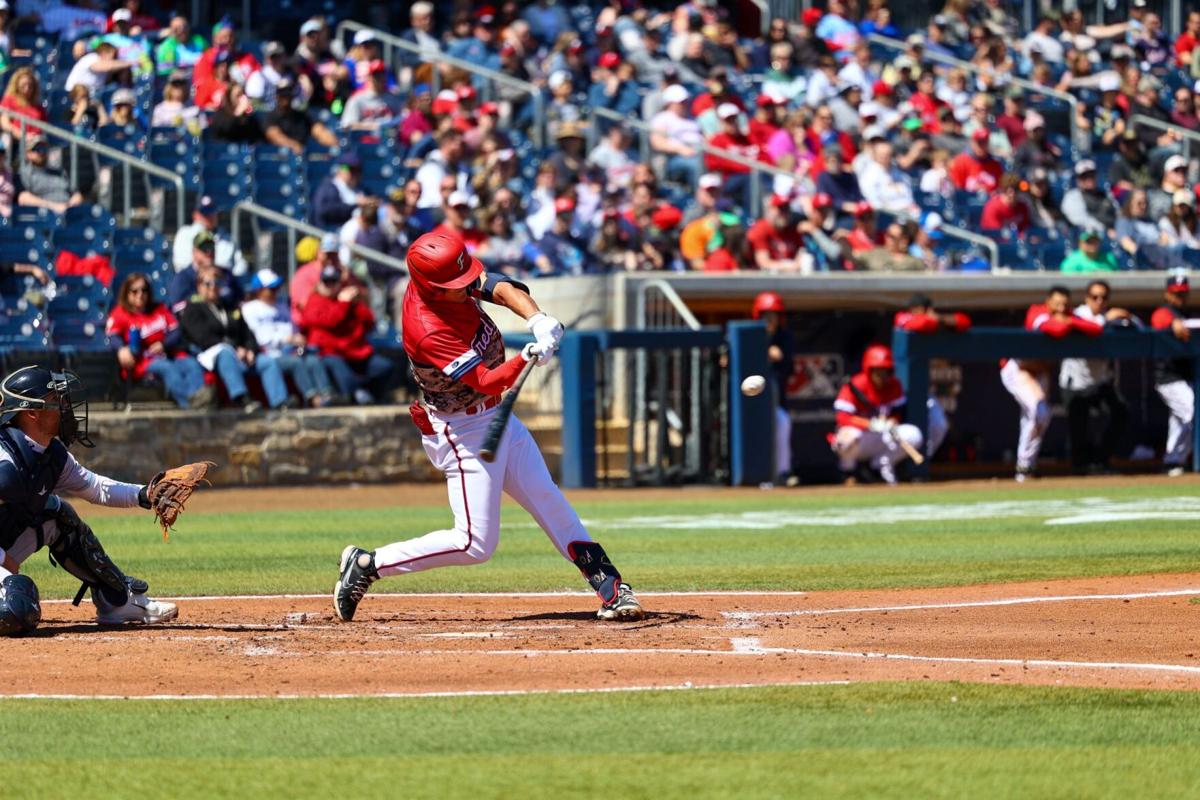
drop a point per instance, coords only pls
(82, 332)
(1050, 255)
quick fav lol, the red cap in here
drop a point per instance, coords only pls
(575, 46)
(441, 261)
(767, 301)
(666, 217)
(882, 88)
(1177, 283)
(811, 17)
(780, 200)
(764, 100)
(485, 14)
(980, 135)
(878, 356)
(609, 60)
(375, 67)
(489, 108)
(563, 205)
(446, 102)
(822, 200)
(862, 208)
(466, 92)
(507, 50)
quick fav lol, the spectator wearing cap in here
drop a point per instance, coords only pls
(124, 114)
(97, 67)
(204, 256)
(1006, 210)
(181, 48)
(1139, 234)
(139, 23)
(976, 170)
(839, 182)
(925, 244)
(769, 112)
(860, 71)
(42, 185)
(131, 44)
(210, 92)
(561, 108)
(176, 109)
(1179, 225)
(704, 199)
(614, 86)
(674, 134)
(507, 248)
(1090, 256)
(1130, 168)
(447, 159)
(457, 221)
(260, 85)
(927, 104)
(775, 241)
(809, 46)
(224, 48)
(731, 139)
(706, 105)
(561, 251)
(1145, 103)
(1037, 150)
(372, 106)
(1087, 206)
(364, 49)
(615, 156)
(204, 219)
(402, 222)
(1174, 179)
(845, 108)
(883, 184)
(296, 126)
(336, 198)
(270, 321)
(865, 235)
(308, 275)
(480, 46)
(364, 229)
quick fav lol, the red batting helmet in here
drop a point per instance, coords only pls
(441, 261)
(767, 301)
(878, 356)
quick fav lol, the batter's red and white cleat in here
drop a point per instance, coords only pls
(625, 608)
(138, 609)
(357, 574)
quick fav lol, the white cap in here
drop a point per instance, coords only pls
(711, 180)
(122, 15)
(1175, 162)
(223, 254)
(872, 132)
(362, 37)
(330, 243)
(558, 78)
(1110, 82)
(311, 26)
(458, 198)
(675, 94)
(1034, 120)
(868, 109)
(727, 110)
(931, 221)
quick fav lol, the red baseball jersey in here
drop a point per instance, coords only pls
(930, 323)
(868, 401)
(445, 342)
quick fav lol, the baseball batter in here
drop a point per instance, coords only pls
(37, 426)
(1028, 380)
(1173, 377)
(870, 407)
(457, 357)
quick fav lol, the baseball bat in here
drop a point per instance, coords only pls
(491, 442)
(913, 452)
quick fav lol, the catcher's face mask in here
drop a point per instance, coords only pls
(39, 389)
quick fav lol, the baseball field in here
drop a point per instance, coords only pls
(941, 640)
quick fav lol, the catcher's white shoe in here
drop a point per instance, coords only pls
(138, 609)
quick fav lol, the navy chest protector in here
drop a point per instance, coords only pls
(26, 483)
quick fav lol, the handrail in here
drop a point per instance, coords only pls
(477, 69)
(254, 209)
(671, 296)
(1067, 97)
(130, 162)
(1179, 130)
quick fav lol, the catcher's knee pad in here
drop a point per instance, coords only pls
(600, 573)
(20, 606)
(911, 434)
(79, 552)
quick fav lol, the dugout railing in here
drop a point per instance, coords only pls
(913, 352)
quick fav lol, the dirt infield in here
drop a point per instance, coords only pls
(1133, 632)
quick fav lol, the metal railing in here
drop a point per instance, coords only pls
(1187, 136)
(128, 162)
(392, 41)
(1009, 78)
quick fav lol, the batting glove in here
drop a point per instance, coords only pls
(546, 329)
(535, 352)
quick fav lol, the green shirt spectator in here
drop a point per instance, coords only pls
(181, 49)
(1090, 257)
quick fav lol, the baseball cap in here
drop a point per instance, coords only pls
(666, 217)
(981, 135)
(1109, 82)
(727, 111)
(862, 208)
(822, 200)
(1089, 236)
(811, 16)
(505, 154)
(204, 240)
(179, 76)
(931, 223)
(486, 14)
(868, 110)
(1085, 166)
(915, 40)
(1121, 51)
(311, 26)
(376, 67)
(265, 279)
(466, 92)
(872, 132)
(285, 86)
(330, 243)
(1139, 3)
(122, 15)
(273, 49)
(558, 78)
(123, 97)
(779, 201)
(675, 94)
(206, 206)
(446, 102)
(1175, 162)
(458, 199)
(711, 180)
(563, 205)
(1039, 174)
(609, 60)
(1015, 93)
(330, 273)
(1034, 120)
(1183, 198)
(489, 108)
(881, 88)
(1178, 282)
(362, 37)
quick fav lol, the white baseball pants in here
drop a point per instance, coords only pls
(783, 442)
(474, 490)
(1181, 402)
(880, 450)
(1029, 391)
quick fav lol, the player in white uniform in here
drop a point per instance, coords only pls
(457, 356)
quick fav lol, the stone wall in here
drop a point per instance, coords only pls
(341, 445)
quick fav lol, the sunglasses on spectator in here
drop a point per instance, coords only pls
(1097, 296)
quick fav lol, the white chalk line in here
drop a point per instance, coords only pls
(679, 687)
(1011, 601)
(754, 647)
(401, 595)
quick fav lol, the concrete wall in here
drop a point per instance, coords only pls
(343, 445)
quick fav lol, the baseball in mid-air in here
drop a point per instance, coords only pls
(753, 385)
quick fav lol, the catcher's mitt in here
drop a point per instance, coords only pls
(168, 491)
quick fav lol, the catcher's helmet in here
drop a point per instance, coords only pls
(441, 261)
(878, 356)
(36, 388)
(767, 301)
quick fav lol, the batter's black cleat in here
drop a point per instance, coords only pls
(357, 574)
(625, 608)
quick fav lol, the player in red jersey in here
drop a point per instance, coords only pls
(457, 356)
(870, 408)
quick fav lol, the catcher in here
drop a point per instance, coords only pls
(39, 420)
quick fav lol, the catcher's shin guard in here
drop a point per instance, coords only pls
(599, 572)
(20, 607)
(79, 552)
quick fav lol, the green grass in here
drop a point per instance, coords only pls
(875, 740)
(297, 551)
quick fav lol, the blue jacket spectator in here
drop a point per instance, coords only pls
(336, 198)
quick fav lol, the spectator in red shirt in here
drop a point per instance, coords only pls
(337, 321)
(730, 137)
(927, 104)
(976, 170)
(1006, 209)
(865, 235)
(224, 40)
(1188, 40)
(768, 118)
(457, 221)
(820, 134)
(1012, 121)
(729, 255)
(22, 96)
(717, 83)
(775, 241)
